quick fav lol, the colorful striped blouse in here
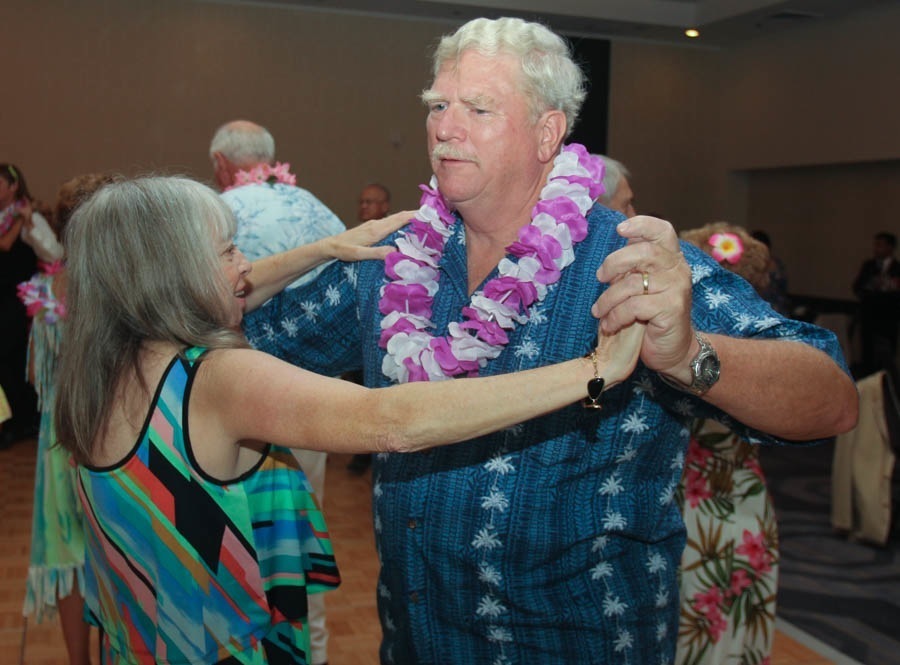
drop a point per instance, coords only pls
(184, 568)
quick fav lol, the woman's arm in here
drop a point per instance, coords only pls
(8, 239)
(249, 395)
(273, 273)
(37, 233)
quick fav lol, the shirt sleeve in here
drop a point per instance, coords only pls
(314, 326)
(725, 304)
(41, 238)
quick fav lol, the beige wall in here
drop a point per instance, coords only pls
(796, 133)
(664, 125)
(140, 85)
(820, 95)
(791, 204)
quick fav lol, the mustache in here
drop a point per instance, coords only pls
(446, 151)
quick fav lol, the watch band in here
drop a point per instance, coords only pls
(705, 369)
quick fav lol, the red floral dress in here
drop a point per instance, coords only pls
(729, 569)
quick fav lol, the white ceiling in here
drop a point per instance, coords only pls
(721, 22)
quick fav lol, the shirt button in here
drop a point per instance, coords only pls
(414, 597)
(412, 524)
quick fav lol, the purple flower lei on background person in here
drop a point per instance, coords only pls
(544, 248)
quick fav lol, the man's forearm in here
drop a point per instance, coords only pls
(784, 388)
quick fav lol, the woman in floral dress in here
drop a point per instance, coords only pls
(729, 568)
(56, 569)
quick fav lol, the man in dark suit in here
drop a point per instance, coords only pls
(878, 288)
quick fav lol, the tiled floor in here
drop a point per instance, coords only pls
(352, 618)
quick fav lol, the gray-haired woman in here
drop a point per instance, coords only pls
(202, 536)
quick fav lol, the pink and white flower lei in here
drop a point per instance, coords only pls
(10, 215)
(264, 174)
(38, 297)
(544, 248)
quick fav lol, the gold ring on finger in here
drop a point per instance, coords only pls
(645, 279)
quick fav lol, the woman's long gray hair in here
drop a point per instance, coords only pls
(143, 265)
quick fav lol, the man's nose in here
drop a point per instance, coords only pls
(449, 125)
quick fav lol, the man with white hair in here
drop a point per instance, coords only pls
(617, 194)
(558, 540)
(274, 215)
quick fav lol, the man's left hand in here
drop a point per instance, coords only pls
(649, 281)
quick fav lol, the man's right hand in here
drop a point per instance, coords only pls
(650, 282)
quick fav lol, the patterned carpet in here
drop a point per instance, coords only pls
(845, 594)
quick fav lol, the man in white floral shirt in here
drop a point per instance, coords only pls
(274, 215)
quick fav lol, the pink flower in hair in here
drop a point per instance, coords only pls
(726, 247)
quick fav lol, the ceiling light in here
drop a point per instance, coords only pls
(692, 32)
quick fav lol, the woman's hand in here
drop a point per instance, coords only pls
(354, 244)
(22, 213)
(25, 211)
(618, 352)
(21, 219)
(273, 273)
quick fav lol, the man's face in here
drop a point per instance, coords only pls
(623, 201)
(481, 139)
(373, 204)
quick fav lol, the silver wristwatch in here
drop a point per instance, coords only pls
(705, 369)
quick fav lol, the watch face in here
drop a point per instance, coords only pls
(708, 371)
(706, 368)
(709, 365)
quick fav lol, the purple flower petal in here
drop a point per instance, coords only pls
(412, 298)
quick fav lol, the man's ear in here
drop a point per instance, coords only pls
(223, 170)
(552, 132)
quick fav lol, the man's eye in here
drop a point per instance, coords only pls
(437, 107)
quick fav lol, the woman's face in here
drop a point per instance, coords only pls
(8, 192)
(235, 267)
